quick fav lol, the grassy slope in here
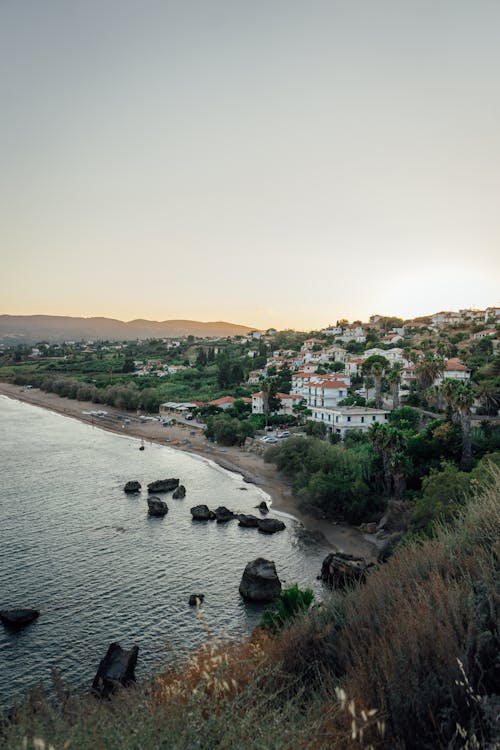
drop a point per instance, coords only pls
(419, 643)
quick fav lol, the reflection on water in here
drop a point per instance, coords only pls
(75, 546)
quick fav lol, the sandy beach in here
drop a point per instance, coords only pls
(189, 438)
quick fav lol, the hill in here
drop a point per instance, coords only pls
(28, 329)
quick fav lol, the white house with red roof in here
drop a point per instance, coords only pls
(326, 393)
(485, 334)
(455, 369)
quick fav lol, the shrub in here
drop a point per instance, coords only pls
(289, 604)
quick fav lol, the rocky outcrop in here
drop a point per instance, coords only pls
(340, 570)
(196, 599)
(223, 514)
(202, 513)
(132, 486)
(18, 618)
(179, 493)
(157, 507)
(387, 545)
(163, 485)
(270, 525)
(397, 516)
(115, 670)
(248, 520)
(260, 582)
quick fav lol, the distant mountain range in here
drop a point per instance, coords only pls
(29, 329)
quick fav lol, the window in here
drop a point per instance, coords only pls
(373, 419)
(348, 419)
(362, 420)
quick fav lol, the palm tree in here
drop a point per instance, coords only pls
(377, 373)
(488, 394)
(427, 371)
(389, 444)
(460, 396)
(394, 378)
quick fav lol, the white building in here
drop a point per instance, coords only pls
(342, 419)
(455, 369)
(325, 393)
(288, 401)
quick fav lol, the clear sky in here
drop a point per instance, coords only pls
(270, 162)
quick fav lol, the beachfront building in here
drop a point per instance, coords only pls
(288, 401)
(343, 419)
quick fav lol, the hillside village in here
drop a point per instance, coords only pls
(346, 376)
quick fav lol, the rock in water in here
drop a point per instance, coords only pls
(179, 493)
(270, 525)
(263, 507)
(18, 618)
(132, 487)
(223, 514)
(115, 670)
(157, 507)
(248, 520)
(340, 570)
(202, 513)
(163, 485)
(196, 599)
(260, 582)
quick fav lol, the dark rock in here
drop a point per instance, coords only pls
(388, 545)
(163, 485)
(340, 570)
(397, 516)
(270, 525)
(196, 599)
(248, 520)
(202, 513)
(18, 618)
(132, 487)
(223, 514)
(263, 507)
(179, 493)
(368, 528)
(115, 670)
(157, 507)
(260, 582)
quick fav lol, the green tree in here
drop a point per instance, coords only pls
(460, 396)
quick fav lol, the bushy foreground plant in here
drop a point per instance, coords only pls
(291, 602)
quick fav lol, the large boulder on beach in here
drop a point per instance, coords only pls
(260, 582)
(340, 570)
(263, 507)
(115, 670)
(157, 507)
(223, 514)
(132, 486)
(202, 513)
(163, 485)
(248, 520)
(179, 493)
(18, 618)
(270, 525)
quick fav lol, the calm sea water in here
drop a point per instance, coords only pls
(75, 546)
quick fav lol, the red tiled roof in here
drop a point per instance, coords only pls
(456, 365)
(223, 400)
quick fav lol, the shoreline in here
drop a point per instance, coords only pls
(190, 439)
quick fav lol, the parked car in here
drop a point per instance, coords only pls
(283, 434)
(269, 439)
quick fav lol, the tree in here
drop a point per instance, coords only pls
(128, 365)
(394, 378)
(389, 444)
(460, 396)
(376, 366)
(427, 370)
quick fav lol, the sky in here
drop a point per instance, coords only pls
(278, 163)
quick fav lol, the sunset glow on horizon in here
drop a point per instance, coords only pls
(270, 164)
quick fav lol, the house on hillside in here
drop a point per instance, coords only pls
(454, 369)
(484, 334)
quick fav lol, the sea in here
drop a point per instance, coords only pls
(99, 569)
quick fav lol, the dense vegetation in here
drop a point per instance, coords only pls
(408, 660)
